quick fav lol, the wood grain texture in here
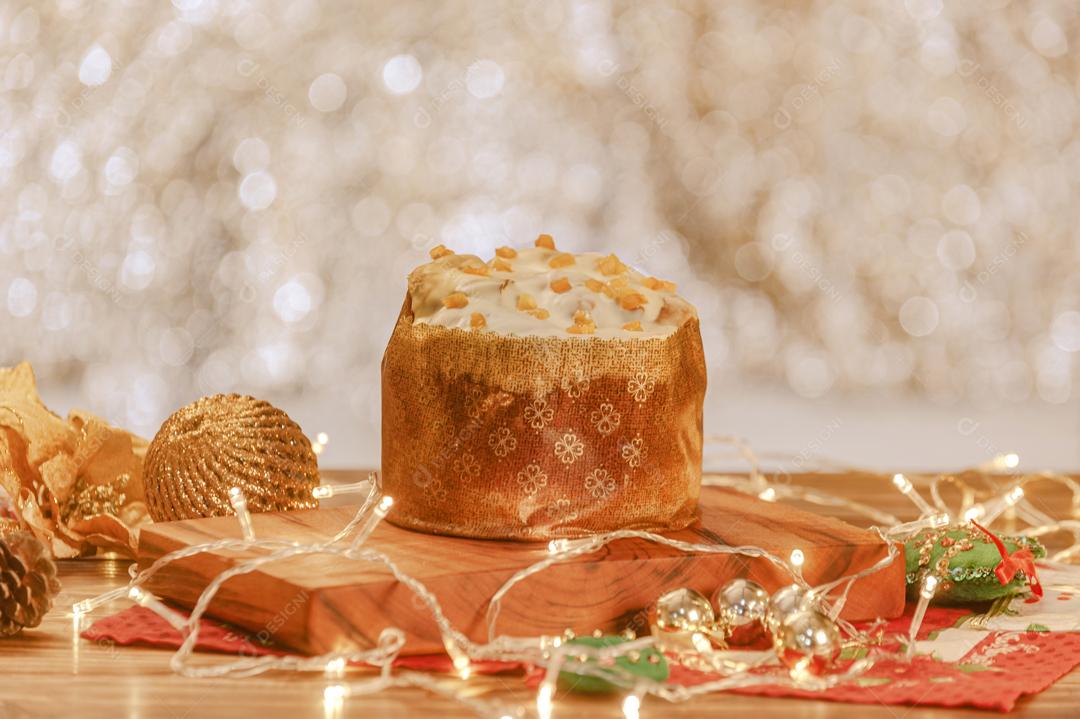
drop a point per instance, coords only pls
(46, 673)
(323, 603)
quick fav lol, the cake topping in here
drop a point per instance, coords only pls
(611, 265)
(563, 259)
(481, 270)
(583, 294)
(598, 286)
(659, 285)
(583, 324)
(560, 285)
(632, 300)
(455, 300)
(440, 251)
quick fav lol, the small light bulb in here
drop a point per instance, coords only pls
(322, 438)
(323, 491)
(239, 505)
(902, 483)
(797, 558)
(543, 701)
(1014, 495)
(929, 587)
(768, 494)
(1012, 460)
(335, 667)
(630, 706)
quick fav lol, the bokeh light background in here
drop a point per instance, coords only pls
(871, 203)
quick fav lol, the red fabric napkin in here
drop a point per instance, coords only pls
(1000, 669)
(140, 626)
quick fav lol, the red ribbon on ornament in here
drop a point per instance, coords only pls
(1010, 564)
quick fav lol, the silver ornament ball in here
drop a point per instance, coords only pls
(684, 610)
(785, 602)
(741, 602)
(809, 642)
(740, 607)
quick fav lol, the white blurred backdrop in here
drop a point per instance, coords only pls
(871, 203)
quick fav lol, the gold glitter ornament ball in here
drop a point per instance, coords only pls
(227, 441)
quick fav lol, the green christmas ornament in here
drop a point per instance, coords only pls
(644, 664)
(964, 560)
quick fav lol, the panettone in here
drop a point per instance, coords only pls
(542, 394)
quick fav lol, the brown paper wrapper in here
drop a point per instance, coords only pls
(533, 438)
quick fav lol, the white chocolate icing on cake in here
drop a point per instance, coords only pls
(542, 292)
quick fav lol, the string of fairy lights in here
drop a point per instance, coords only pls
(553, 653)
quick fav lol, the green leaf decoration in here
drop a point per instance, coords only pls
(853, 652)
(970, 576)
(624, 672)
(972, 668)
(872, 681)
(1037, 628)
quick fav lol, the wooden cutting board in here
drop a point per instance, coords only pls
(317, 604)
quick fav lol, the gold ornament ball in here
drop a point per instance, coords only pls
(740, 605)
(785, 602)
(808, 641)
(225, 441)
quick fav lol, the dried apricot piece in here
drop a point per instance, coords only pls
(659, 285)
(610, 265)
(540, 314)
(440, 251)
(560, 285)
(501, 265)
(632, 301)
(526, 302)
(508, 253)
(482, 270)
(455, 300)
(546, 242)
(563, 259)
(598, 286)
(634, 326)
(477, 320)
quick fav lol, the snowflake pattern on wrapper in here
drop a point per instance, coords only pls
(532, 479)
(606, 419)
(634, 451)
(561, 510)
(600, 484)
(538, 414)
(641, 386)
(466, 467)
(568, 448)
(576, 383)
(502, 442)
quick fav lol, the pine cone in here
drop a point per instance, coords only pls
(28, 582)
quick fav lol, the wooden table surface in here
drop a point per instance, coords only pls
(49, 672)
